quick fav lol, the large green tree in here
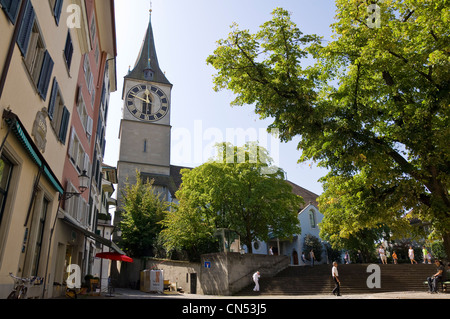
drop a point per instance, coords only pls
(372, 107)
(142, 210)
(239, 190)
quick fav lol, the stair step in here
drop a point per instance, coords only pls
(306, 280)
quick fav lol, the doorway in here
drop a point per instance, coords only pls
(295, 257)
(193, 283)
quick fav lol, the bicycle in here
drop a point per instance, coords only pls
(71, 293)
(20, 286)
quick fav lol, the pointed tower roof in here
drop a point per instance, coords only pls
(147, 66)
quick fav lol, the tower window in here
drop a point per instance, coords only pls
(145, 146)
(148, 74)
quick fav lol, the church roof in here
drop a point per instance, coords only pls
(308, 196)
(147, 59)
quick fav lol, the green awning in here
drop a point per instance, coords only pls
(88, 233)
(24, 138)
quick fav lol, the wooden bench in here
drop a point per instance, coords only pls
(445, 283)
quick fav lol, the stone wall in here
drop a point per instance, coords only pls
(217, 274)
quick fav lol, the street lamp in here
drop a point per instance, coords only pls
(83, 181)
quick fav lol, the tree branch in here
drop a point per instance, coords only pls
(406, 62)
(410, 13)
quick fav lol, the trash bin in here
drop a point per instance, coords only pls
(145, 280)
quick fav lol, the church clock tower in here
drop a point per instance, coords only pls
(145, 125)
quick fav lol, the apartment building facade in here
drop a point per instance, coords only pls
(42, 48)
(86, 146)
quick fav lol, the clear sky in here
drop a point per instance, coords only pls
(185, 35)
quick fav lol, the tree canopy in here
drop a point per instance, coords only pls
(235, 191)
(373, 107)
(142, 210)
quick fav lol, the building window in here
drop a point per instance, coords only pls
(86, 120)
(56, 6)
(39, 237)
(77, 154)
(97, 54)
(89, 77)
(93, 29)
(77, 207)
(312, 218)
(58, 113)
(11, 8)
(5, 177)
(37, 59)
(68, 50)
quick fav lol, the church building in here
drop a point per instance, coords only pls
(145, 139)
(145, 129)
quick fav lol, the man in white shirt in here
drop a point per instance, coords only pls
(335, 275)
(255, 277)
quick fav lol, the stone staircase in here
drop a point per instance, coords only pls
(305, 280)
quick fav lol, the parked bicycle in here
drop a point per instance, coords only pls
(72, 293)
(21, 286)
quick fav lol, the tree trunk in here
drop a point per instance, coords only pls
(446, 238)
(249, 246)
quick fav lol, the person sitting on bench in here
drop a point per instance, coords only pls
(433, 280)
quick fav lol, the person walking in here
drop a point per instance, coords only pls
(255, 278)
(411, 255)
(337, 282)
(312, 256)
(433, 280)
(425, 254)
(429, 257)
(394, 257)
(382, 253)
(303, 257)
(347, 257)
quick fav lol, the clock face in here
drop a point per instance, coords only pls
(147, 102)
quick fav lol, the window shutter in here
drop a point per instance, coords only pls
(86, 163)
(11, 8)
(77, 95)
(70, 148)
(26, 27)
(57, 10)
(89, 126)
(64, 125)
(51, 104)
(68, 50)
(44, 77)
(103, 95)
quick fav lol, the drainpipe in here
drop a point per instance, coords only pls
(11, 47)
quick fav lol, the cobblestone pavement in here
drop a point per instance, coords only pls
(136, 294)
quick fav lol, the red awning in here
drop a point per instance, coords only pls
(114, 256)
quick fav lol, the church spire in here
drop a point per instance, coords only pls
(147, 66)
